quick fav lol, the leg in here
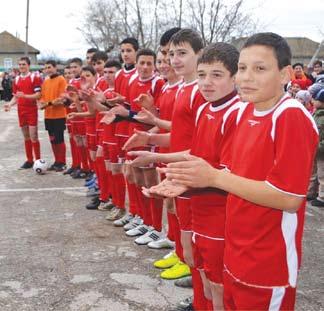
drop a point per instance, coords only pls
(33, 133)
(28, 143)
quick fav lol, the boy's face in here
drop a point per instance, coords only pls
(88, 79)
(145, 66)
(163, 66)
(109, 74)
(214, 81)
(183, 59)
(317, 68)
(259, 78)
(75, 69)
(23, 66)
(89, 57)
(50, 69)
(298, 71)
(68, 75)
(128, 53)
(99, 66)
(295, 88)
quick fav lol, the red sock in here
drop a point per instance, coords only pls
(139, 203)
(36, 148)
(132, 198)
(177, 238)
(156, 206)
(29, 150)
(92, 164)
(84, 158)
(120, 190)
(170, 218)
(55, 152)
(103, 178)
(146, 208)
(61, 152)
(199, 299)
(76, 161)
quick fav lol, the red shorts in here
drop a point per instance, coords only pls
(69, 127)
(183, 208)
(92, 142)
(208, 256)
(78, 128)
(238, 296)
(27, 116)
(121, 140)
(100, 135)
(110, 151)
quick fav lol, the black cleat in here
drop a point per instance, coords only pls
(60, 167)
(26, 165)
(69, 171)
(93, 205)
(317, 203)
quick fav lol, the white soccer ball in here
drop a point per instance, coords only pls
(40, 166)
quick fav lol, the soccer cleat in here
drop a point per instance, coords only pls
(124, 220)
(80, 174)
(179, 270)
(167, 261)
(26, 165)
(60, 167)
(185, 305)
(317, 203)
(136, 221)
(90, 176)
(185, 282)
(90, 182)
(116, 214)
(150, 236)
(93, 192)
(93, 204)
(69, 171)
(139, 230)
(162, 242)
(53, 166)
(105, 206)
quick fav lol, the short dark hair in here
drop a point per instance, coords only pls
(67, 67)
(146, 52)
(99, 55)
(277, 43)
(76, 60)
(318, 62)
(113, 63)
(25, 59)
(90, 69)
(132, 41)
(189, 36)
(51, 62)
(166, 37)
(222, 52)
(92, 50)
(298, 64)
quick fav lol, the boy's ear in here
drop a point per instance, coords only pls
(286, 74)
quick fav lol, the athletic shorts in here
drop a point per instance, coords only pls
(55, 125)
(121, 140)
(27, 116)
(78, 128)
(110, 152)
(100, 135)
(183, 209)
(91, 142)
(208, 256)
(238, 296)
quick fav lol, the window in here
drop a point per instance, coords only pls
(7, 63)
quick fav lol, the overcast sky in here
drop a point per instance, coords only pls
(53, 23)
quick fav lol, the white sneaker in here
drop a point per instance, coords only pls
(150, 236)
(162, 242)
(136, 221)
(124, 220)
(139, 230)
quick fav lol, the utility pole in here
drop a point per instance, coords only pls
(27, 22)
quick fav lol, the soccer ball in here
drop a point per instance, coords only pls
(40, 166)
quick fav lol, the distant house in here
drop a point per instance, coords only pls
(302, 49)
(11, 49)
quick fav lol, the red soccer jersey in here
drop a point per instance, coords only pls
(263, 245)
(28, 84)
(121, 86)
(212, 139)
(137, 87)
(101, 84)
(109, 129)
(166, 106)
(187, 102)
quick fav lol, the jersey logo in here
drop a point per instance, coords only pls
(209, 116)
(253, 122)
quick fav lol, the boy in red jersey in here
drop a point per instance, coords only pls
(89, 54)
(98, 60)
(26, 90)
(266, 181)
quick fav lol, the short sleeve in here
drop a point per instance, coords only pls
(295, 142)
(37, 83)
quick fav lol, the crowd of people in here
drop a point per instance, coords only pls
(223, 141)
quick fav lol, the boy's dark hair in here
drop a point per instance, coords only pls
(25, 59)
(318, 62)
(51, 62)
(92, 50)
(277, 43)
(146, 52)
(166, 37)
(90, 69)
(99, 55)
(67, 67)
(113, 63)
(298, 64)
(222, 52)
(188, 36)
(76, 60)
(132, 41)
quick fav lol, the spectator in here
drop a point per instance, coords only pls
(317, 68)
(7, 87)
(300, 75)
(305, 98)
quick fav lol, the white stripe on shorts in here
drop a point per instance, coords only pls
(278, 294)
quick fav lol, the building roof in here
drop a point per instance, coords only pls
(9, 44)
(300, 47)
